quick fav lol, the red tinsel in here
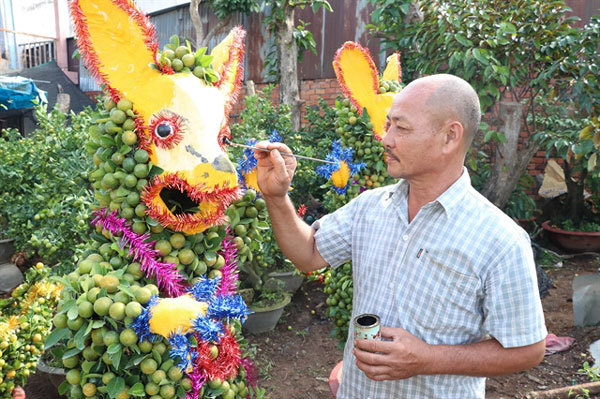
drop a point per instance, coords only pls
(236, 54)
(174, 121)
(222, 197)
(301, 211)
(144, 139)
(227, 363)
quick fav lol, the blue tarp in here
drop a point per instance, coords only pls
(17, 92)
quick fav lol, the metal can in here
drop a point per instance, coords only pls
(366, 326)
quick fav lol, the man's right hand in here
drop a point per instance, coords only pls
(275, 172)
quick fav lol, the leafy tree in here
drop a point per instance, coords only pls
(571, 129)
(505, 49)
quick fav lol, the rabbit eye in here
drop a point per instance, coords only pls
(163, 130)
(167, 129)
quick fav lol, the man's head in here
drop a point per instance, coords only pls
(432, 123)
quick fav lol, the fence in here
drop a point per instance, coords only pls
(37, 53)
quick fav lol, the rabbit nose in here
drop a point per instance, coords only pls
(223, 164)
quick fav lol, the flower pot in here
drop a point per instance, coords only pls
(292, 280)
(265, 318)
(573, 241)
(54, 374)
(6, 250)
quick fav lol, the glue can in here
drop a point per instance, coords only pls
(367, 326)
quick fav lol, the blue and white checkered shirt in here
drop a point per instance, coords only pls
(459, 272)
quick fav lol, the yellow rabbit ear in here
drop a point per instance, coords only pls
(117, 43)
(393, 70)
(359, 78)
(357, 74)
(228, 61)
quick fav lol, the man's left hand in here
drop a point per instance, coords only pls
(402, 356)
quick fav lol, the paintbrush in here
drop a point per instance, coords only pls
(285, 154)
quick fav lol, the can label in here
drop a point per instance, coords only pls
(366, 326)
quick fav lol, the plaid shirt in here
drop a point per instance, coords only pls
(460, 271)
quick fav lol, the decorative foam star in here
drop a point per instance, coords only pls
(200, 313)
(341, 172)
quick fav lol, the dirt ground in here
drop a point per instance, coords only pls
(294, 360)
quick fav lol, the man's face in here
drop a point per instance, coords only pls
(413, 143)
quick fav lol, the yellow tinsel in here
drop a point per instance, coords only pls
(42, 289)
(7, 328)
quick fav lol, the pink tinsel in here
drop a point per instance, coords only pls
(229, 271)
(198, 380)
(167, 277)
(251, 372)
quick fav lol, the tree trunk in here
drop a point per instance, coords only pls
(287, 53)
(201, 39)
(575, 200)
(196, 21)
(510, 161)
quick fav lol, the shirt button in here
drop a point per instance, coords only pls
(405, 237)
(391, 285)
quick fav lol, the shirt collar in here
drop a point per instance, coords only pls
(449, 199)
(453, 196)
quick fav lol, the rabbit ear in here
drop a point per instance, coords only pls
(393, 70)
(117, 43)
(357, 74)
(228, 61)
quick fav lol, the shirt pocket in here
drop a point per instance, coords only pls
(446, 299)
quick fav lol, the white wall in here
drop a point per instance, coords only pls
(34, 16)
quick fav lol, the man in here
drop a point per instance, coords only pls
(451, 277)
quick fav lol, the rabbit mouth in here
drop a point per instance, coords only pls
(176, 204)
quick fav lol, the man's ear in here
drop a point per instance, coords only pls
(454, 134)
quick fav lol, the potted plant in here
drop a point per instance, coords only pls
(576, 224)
(268, 307)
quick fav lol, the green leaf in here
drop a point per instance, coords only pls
(117, 359)
(86, 366)
(79, 337)
(126, 289)
(463, 40)
(98, 323)
(174, 40)
(137, 390)
(115, 386)
(113, 348)
(72, 314)
(56, 336)
(508, 27)
(64, 387)
(70, 353)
